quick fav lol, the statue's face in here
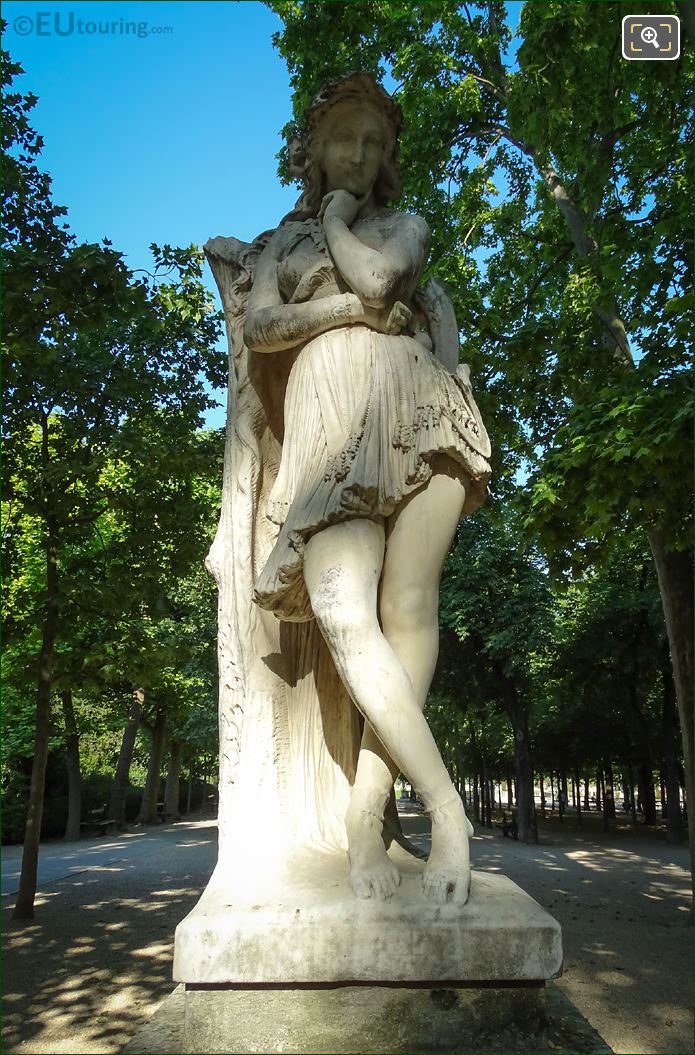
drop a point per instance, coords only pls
(353, 149)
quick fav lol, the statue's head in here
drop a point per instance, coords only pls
(350, 141)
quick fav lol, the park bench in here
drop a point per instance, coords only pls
(97, 821)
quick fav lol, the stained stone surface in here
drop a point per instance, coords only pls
(304, 926)
(523, 1021)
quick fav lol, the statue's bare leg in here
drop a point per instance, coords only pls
(418, 538)
(342, 568)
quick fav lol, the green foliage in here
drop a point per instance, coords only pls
(106, 465)
(558, 191)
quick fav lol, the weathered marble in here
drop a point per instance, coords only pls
(369, 1019)
(303, 927)
(354, 446)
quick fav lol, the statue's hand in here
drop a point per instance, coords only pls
(339, 205)
(387, 320)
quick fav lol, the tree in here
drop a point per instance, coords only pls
(561, 220)
(496, 599)
(92, 357)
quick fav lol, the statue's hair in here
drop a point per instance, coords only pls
(304, 156)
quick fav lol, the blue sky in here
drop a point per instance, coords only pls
(163, 129)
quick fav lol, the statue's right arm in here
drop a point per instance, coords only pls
(272, 326)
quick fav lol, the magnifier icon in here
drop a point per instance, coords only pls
(650, 36)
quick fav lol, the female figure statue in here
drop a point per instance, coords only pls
(382, 453)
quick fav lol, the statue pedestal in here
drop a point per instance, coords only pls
(293, 962)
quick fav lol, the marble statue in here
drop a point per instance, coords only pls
(354, 447)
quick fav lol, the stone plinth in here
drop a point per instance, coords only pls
(288, 960)
(370, 1019)
(304, 926)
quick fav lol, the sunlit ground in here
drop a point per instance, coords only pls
(97, 961)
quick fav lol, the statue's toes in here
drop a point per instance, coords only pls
(361, 885)
(447, 887)
(390, 880)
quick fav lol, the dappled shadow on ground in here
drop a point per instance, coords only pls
(623, 899)
(91, 969)
(93, 965)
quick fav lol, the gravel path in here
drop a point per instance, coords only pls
(90, 970)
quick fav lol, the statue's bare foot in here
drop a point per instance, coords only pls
(447, 875)
(372, 873)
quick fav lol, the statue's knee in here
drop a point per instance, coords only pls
(339, 617)
(409, 608)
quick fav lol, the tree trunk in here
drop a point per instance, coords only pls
(525, 803)
(542, 788)
(587, 804)
(646, 785)
(674, 572)
(510, 795)
(486, 795)
(674, 830)
(609, 790)
(125, 757)
(24, 905)
(608, 801)
(476, 797)
(552, 791)
(148, 806)
(662, 790)
(633, 798)
(599, 798)
(171, 791)
(72, 756)
(579, 798)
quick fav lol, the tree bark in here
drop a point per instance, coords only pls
(148, 806)
(525, 804)
(125, 757)
(561, 794)
(24, 905)
(542, 788)
(486, 795)
(633, 798)
(646, 786)
(72, 755)
(608, 796)
(587, 804)
(674, 572)
(579, 798)
(674, 828)
(171, 790)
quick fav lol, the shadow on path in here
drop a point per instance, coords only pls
(97, 960)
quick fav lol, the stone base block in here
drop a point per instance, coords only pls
(304, 926)
(567, 1031)
(367, 1019)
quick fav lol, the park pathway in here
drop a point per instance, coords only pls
(93, 966)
